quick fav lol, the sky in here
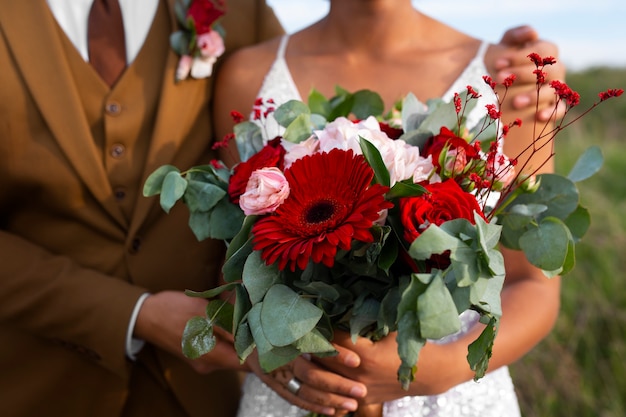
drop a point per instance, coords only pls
(588, 33)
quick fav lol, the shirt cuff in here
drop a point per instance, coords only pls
(134, 345)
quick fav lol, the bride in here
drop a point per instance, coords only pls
(390, 47)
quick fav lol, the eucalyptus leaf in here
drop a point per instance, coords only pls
(479, 351)
(200, 224)
(173, 188)
(202, 196)
(154, 182)
(281, 301)
(314, 342)
(225, 220)
(258, 277)
(413, 112)
(367, 103)
(409, 346)
(587, 165)
(299, 130)
(547, 245)
(578, 222)
(220, 312)
(233, 266)
(437, 313)
(244, 342)
(213, 292)
(198, 338)
(249, 139)
(288, 112)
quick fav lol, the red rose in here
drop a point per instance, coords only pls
(272, 155)
(392, 132)
(444, 201)
(447, 138)
(204, 13)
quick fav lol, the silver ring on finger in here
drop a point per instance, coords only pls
(293, 385)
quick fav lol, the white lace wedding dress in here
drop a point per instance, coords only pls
(492, 396)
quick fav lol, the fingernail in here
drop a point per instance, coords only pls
(502, 63)
(329, 411)
(352, 361)
(521, 101)
(358, 391)
(350, 405)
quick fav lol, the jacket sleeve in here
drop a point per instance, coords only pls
(45, 295)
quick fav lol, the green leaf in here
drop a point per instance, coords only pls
(202, 196)
(270, 358)
(226, 220)
(299, 129)
(179, 41)
(433, 240)
(364, 314)
(367, 103)
(318, 103)
(436, 311)
(244, 342)
(578, 222)
(286, 316)
(258, 277)
(409, 346)
(546, 246)
(249, 139)
(154, 182)
(405, 189)
(288, 112)
(413, 112)
(221, 313)
(375, 160)
(556, 192)
(213, 292)
(174, 186)
(233, 266)
(198, 338)
(588, 164)
(315, 342)
(479, 351)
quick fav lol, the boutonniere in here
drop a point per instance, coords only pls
(200, 41)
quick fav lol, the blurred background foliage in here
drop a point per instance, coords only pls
(580, 370)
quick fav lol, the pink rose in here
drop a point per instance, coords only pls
(266, 190)
(184, 67)
(210, 44)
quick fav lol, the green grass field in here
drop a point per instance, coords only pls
(580, 370)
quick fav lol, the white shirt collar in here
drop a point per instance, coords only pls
(72, 17)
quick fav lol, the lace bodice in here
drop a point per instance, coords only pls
(280, 86)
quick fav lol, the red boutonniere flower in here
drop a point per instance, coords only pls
(200, 41)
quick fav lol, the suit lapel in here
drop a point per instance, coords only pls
(176, 112)
(49, 80)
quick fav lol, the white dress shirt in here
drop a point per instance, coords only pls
(72, 16)
(137, 15)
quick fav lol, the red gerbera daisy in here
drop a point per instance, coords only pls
(331, 203)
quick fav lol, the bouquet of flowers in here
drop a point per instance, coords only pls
(373, 223)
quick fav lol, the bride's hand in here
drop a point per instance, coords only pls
(316, 389)
(440, 367)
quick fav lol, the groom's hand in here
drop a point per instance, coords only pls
(510, 56)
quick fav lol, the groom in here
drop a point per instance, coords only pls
(92, 275)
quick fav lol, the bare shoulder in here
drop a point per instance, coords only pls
(249, 64)
(238, 80)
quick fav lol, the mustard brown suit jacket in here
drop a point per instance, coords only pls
(78, 242)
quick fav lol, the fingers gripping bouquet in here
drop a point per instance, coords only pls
(369, 223)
